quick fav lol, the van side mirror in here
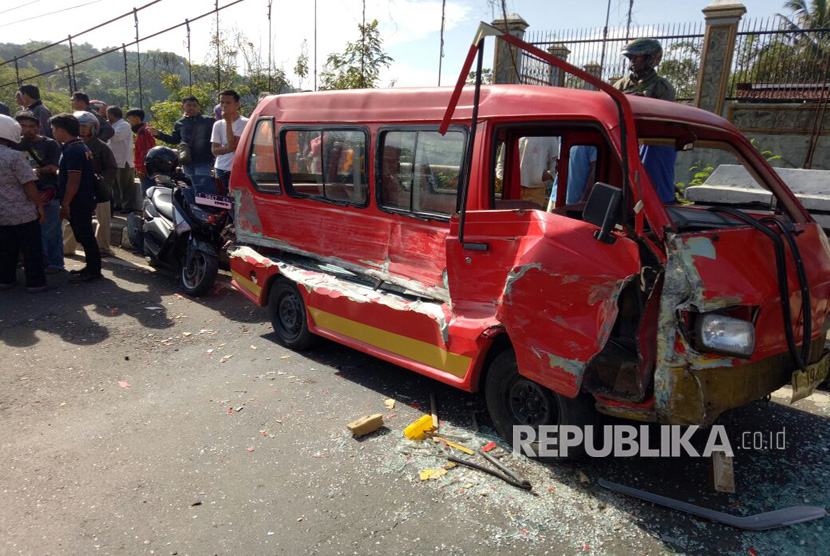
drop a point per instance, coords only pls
(603, 209)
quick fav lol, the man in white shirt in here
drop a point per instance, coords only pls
(537, 160)
(537, 166)
(225, 138)
(121, 145)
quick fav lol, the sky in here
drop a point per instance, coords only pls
(410, 29)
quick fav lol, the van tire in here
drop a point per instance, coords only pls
(289, 317)
(513, 399)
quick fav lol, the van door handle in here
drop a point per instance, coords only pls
(476, 246)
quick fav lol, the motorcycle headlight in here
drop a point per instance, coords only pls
(727, 335)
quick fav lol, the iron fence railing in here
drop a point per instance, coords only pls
(598, 52)
(776, 61)
(773, 60)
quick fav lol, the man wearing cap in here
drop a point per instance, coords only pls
(43, 155)
(21, 214)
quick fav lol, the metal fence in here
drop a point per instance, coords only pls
(777, 62)
(597, 50)
(773, 61)
(70, 68)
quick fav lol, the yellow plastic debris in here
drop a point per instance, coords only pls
(458, 447)
(427, 474)
(418, 429)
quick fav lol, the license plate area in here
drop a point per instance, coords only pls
(806, 382)
(216, 201)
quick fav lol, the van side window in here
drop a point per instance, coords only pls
(329, 164)
(420, 171)
(262, 164)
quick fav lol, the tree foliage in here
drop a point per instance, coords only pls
(165, 76)
(680, 67)
(486, 77)
(301, 67)
(359, 65)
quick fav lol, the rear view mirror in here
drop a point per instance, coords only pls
(603, 209)
(683, 145)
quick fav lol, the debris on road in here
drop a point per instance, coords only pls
(458, 447)
(505, 474)
(123, 384)
(428, 474)
(390, 403)
(758, 522)
(489, 446)
(723, 472)
(418, 429)
(366, 424)
(434, 410)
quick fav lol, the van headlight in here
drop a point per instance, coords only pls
(727, 335)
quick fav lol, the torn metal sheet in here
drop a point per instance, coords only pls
(328, 284)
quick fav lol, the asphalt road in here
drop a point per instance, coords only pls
(134, 420)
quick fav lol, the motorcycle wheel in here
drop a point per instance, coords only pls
(198, 274)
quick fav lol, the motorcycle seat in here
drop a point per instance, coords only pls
(162, 198)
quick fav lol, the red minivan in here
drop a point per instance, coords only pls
(358, 220)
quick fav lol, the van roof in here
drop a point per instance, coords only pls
(428, 104)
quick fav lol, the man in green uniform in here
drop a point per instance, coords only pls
(644, 55)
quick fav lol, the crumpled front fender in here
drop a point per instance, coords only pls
(559, 310)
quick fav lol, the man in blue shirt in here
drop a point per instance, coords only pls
(76, 189)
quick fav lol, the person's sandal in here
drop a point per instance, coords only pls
(37, 289)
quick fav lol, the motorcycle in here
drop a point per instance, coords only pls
(182, 229)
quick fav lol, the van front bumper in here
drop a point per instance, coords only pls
(699, 396)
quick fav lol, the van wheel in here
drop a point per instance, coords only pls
(288, 316)
(513, 399)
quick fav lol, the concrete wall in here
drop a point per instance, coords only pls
(785, 130)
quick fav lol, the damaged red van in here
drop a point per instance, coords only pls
(395, 222)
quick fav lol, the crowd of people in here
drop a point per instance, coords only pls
(62, 176)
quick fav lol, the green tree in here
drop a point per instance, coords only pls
(358, 67)
(486, 77)
(812, 15)
(165, 113)
(680, 67)
(301, 67)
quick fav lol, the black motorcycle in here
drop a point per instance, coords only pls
(180, 228)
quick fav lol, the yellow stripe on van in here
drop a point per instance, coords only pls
(246, 283)
(409, 348)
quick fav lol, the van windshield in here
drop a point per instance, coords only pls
(701, 174)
